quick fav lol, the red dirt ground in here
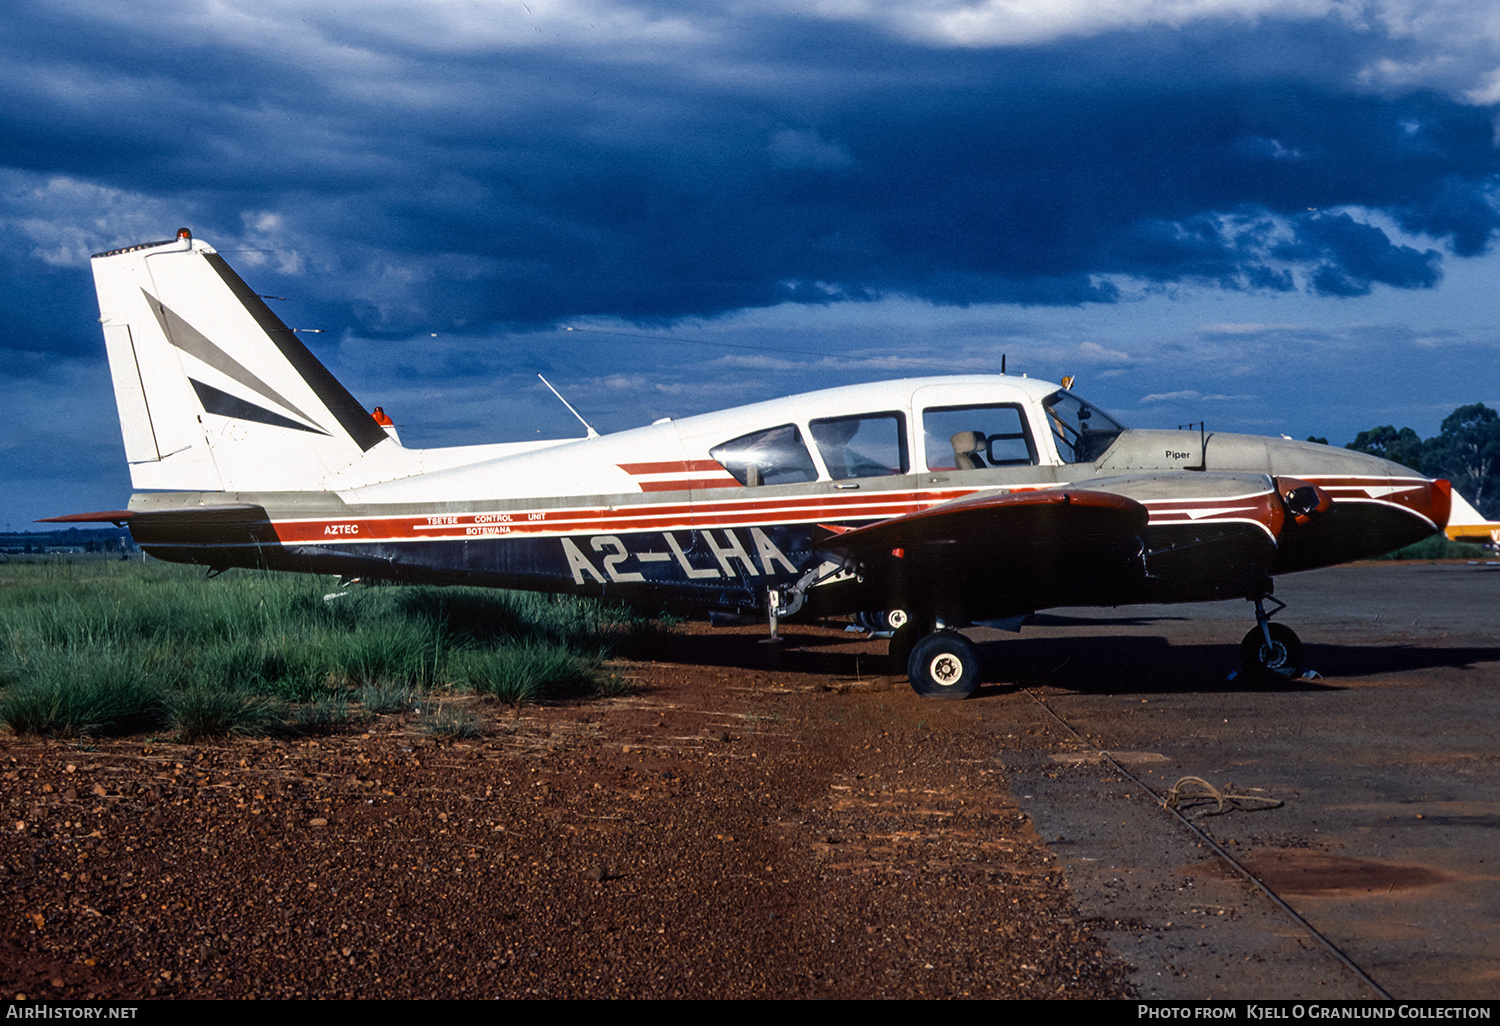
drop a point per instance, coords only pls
(800, 829)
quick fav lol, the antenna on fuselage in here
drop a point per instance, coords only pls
(586, 425)
(1002, 364)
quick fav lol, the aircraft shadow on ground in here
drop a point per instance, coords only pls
(1110, 664)
(1153, 665)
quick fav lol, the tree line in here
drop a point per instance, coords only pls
(1466, 451)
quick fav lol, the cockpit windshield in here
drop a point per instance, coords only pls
(1082, 430)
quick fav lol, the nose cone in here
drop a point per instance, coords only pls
(1378, 506)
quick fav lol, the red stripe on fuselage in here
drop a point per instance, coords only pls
(597, 520)
(736, 512)
(673, 467)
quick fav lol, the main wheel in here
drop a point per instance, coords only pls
(1280, 660)
(944, 665)
(882, 622)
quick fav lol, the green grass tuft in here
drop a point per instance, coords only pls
(203, 713)
(389, 698)
(73, 693)
(317, 719)
(453, 723)
(534, 672)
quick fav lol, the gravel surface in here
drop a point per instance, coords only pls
(799, 829)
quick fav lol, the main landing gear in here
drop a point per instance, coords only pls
(940, 663)
(1271, 651)
(882, 623)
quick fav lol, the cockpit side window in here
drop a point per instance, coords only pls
(867, 445)
(775, 456)
(1082, 431)
(976, 437)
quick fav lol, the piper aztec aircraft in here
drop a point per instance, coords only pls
(930, 504)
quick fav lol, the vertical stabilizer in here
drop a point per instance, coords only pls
(215, 393)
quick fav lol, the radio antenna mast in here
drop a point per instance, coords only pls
(586, 425)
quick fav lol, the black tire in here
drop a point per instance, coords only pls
(881, 621)
(944, 665)
(1281, 660)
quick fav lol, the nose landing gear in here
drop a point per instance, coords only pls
(1271, 651)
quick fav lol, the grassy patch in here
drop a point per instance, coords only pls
(115, 647)
(1439, 547)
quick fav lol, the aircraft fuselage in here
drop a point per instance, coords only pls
(677, 528)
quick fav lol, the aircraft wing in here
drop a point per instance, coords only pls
(998, 555)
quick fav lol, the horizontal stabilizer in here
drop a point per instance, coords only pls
(232, 534)
(108, 516)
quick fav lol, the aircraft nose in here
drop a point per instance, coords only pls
(1351, 478)
(1376, 506)
(1390, 511)
(1395, 487)
(1431, 499)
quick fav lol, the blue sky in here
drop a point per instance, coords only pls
(1277, 216)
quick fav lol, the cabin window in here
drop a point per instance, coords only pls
(1082, 431)
(777, 456)
(868, 445)
(976, 437)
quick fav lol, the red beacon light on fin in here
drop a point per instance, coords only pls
(386, 423)
(184, 235)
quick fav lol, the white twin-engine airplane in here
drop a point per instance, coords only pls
(930, 504)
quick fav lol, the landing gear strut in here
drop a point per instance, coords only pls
(1271, 651)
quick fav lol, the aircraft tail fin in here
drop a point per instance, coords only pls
(214, 392)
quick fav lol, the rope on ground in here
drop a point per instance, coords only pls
(1189, 790)
(1219, 850)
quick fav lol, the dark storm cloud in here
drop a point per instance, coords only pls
(456, 183)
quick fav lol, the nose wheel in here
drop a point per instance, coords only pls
(1271, 651)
